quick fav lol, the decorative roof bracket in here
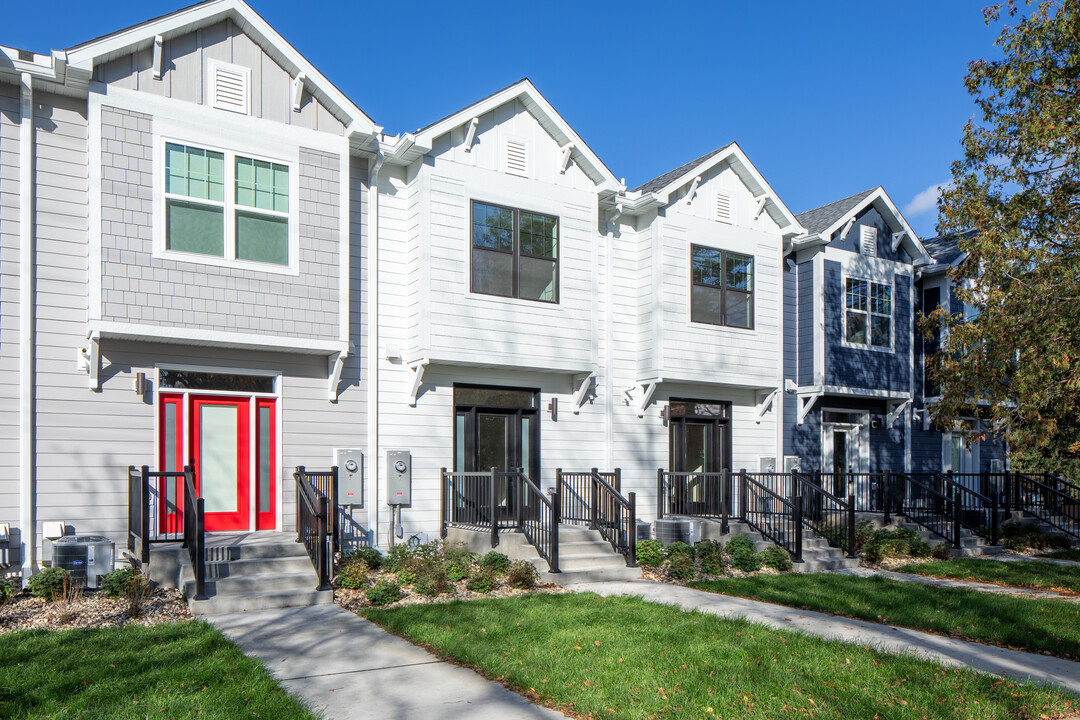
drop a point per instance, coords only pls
(898, 238)
(649, 387)
(334, 365)
(760, 207)
(584, 383)
(847, 228)
(895, 412)
(764, 405)
(89, 359)
(693, 190)
(159, 41)
(567, 151)
(808, 402)
(418, 379)
(470, 134)
(298, 91)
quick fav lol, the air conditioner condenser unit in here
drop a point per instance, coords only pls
(86, 557)
(677, 529)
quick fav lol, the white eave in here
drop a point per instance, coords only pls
(49, 72)
(111, 330)
(548, 118)
(95, 52)
(884, 205)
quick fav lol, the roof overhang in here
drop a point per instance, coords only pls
(123, 42)
(548, 118)
(48, 72)
(111, 330)
(888, 210)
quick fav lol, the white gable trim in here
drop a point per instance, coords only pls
(884, 204)
(548, 118)
(182, 22)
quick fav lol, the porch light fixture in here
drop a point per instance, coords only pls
(553, 408)
(140, 383)
(665, 414)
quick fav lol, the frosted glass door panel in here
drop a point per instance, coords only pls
(218, 462)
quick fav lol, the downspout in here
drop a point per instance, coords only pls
(609, 400)
(372, 463)
(27, 551)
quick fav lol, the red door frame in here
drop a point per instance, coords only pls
(171, 522)
(240, 518)
(266, 520)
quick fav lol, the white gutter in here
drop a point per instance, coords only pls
(372, 459)
(26, 326)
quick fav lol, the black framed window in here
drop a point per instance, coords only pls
(721, 287)
(515, 253)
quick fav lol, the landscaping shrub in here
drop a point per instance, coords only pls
(941, 551)
(353, 573)
(681, 567)
(676, 549)
(743, 557)
(650, 553)
(399, 555)
(457, 570)
(48, 584)
(522, 575)
(7, 590)
(369, 555)
(458, 553)
(496, 562)
(1020, 536)
(482, 581)
(410, 569)
(384, 592)
(895, 543)
(116, 583)
(711, 555)
(863, 532)
(776, 558)
(432, 583)
(137, 591)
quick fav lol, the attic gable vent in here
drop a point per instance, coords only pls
(868, 240)
(229, 87)
(516, 157)
(723, 207)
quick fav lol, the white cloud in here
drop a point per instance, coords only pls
(925, 201)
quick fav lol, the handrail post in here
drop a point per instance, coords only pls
(335, 526)
(443, 495)
(994, 520)
(631, 561)
(556, 513)
(618, 480)
(725, 498)
(886, 496)
(851, 526)
(199, 542)
(144, 513)
(660, 499)
(491, 516)
(519, 498)
(743, 491)
(956, 518)
(797, 518)
(322, 531)
(298, 475)
(558, 489)
(594, 498)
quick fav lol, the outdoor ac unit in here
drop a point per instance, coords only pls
(86, 557)
(678, 529)
(644, 530)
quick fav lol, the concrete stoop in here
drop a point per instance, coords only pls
(970, 545)
(818, 555)
(244, 572)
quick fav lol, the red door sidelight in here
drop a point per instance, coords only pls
(221, 451)
(171, 450)
(265, 464)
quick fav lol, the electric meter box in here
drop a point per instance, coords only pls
(398, 477)
(350, 465)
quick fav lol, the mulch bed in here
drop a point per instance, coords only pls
(91, 610)
(354, 600)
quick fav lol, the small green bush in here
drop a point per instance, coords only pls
(458, 553)
(482, 582)
(863, 532)
(681, 567)
(456, 570)
(7, 590)
(119, 582)
(353, 573)
(739, 543)
(711, 556)
(399, 555)
(384, 592)
(775, 557)
(902, 542)
(650, 553)
(432, 583)
(676, 549)
(941, 551)
(369, 555)
(496, 562)
(522, 575)
(48, 584)
(743, 556)
(1021, 536)
(410, 569)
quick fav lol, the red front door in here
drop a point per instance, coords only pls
(221, 451)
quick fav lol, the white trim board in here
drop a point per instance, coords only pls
(109, 329)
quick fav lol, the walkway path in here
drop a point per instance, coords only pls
(347, 667)
(961, 584)
(886, 638)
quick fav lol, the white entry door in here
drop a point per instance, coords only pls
(845, 451)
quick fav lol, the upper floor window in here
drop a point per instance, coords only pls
(721, 287)
(515, 253)
(868, 313)
(227, 206)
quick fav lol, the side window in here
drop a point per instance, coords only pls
(867, 313)
(721, 287)
(194, 200)
(515, 253)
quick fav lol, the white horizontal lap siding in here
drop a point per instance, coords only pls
(9, 304)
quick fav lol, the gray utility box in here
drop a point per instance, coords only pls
(350, 465)
(86, 557)
(398, 477)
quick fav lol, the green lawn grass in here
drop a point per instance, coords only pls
(1029, 574)
(1073, 554)
(1051, 626)
(180, 670)
(624, 658)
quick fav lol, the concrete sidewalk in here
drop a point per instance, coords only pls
(900, 641)
(961, 584)
(346, 667)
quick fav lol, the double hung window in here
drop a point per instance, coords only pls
(721, 287)
(868, 313)
(228, 206)
(515, 253)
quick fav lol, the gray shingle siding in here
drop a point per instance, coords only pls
(139, 288)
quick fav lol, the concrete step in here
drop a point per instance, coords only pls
(253, 585)
(251, 566)
(588, 562)
(812, 565)
(573, 577)
(591, 547)
(221, 604)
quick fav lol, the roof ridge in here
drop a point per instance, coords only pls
(663, 180)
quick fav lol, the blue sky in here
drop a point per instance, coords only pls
(827, 99)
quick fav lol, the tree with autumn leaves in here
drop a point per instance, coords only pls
(1017, 364)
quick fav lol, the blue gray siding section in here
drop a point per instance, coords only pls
(870, 217)
(806, 323)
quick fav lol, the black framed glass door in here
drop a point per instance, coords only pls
(699, 442)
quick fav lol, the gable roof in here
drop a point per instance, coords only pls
(124, 42)
(659, 189)
(823, 221)
(821, 218)
(545, 114)
(945, 249)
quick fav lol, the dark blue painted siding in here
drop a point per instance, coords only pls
(870, 217)
(805, 291)
(865, 368)
(791, 344)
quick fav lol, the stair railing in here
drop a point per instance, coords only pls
(313, 526)
(537, 515)
(927, 507)
(765, 510)
(1056, 503)
(155, 509)
(694, 494)
(976, 511)
(194, 523)
(825, 513)
(615, 516)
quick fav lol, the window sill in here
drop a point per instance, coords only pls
(871, 348)
(513, 302)
(214, 261)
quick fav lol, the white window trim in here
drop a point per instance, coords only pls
(869, 314)
(229, 260)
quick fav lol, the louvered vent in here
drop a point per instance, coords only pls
(517, 157)
(723, 207)
(868, 237)
(229, 87)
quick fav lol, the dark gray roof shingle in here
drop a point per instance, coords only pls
(945, 249)
(659, 183)
(822, 218)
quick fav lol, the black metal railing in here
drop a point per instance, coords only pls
(871, 490)
(696, 494)
(1056, 503)
(476, 501)
(827, 514)
(595, 498)
(194, 524)
(325, 484)
(155, 508)
(313, 526)
(766, 510)
(537, 515)
(976, 509)
(928, 507)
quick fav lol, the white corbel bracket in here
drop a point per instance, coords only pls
(760, 206)
(584, 383)
(334, 365)
(417, 380)
(806, 404)
(567, 151)
(159, 42)
(764, 405)
(847, 228)
(88, 359)
(298, 91)
(898, 238)
(470, 134)
(693, 190)
(649, 389)
(893, 414)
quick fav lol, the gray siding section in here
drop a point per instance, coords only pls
(872, 218)
(141, 289)
(185, 64)
(9, 303)
(806, 323)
